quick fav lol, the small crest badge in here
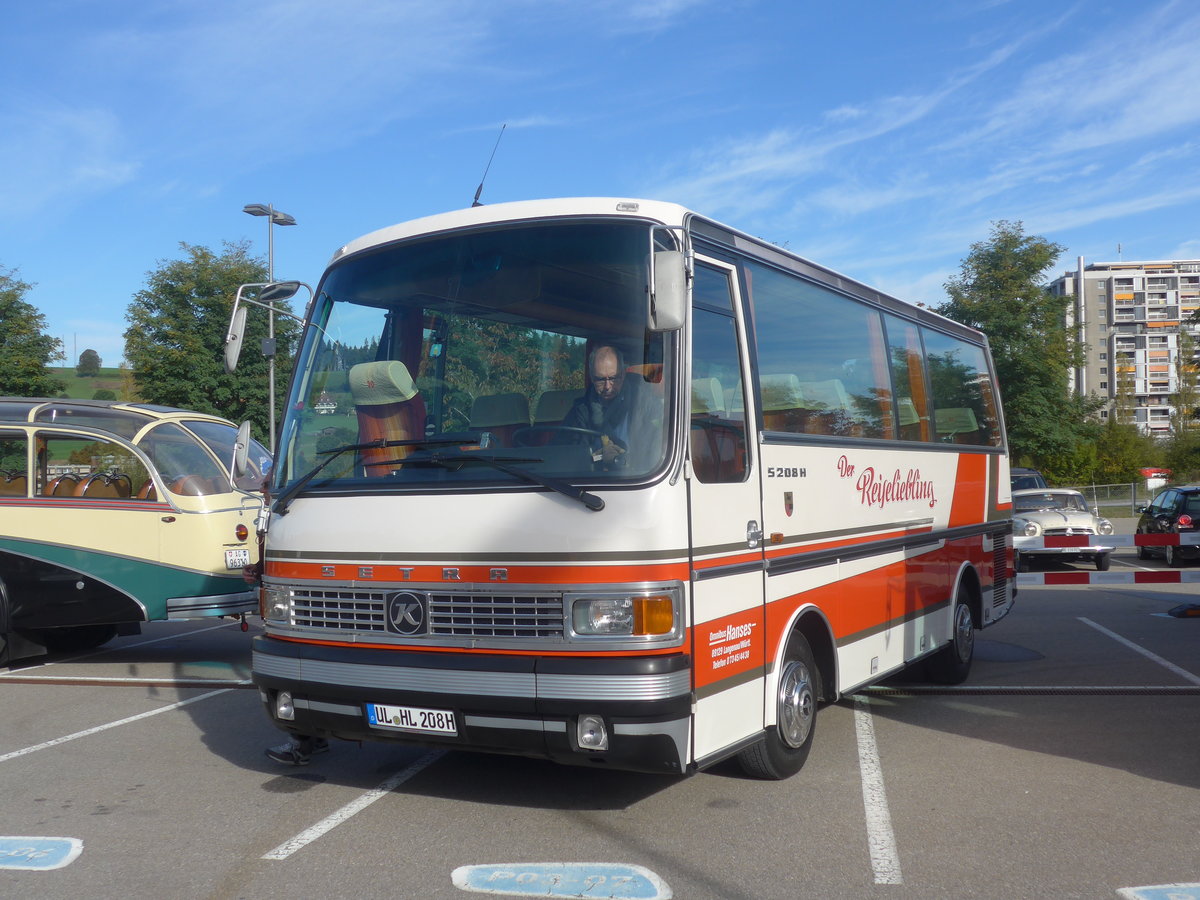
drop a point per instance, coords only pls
(787, 502)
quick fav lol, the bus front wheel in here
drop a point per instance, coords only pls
(785, 746)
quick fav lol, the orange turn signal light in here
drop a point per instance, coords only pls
(653, 615)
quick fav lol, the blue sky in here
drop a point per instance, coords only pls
(878, 138)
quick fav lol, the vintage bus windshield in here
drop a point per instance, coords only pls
(465, 357)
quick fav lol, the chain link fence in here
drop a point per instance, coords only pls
(1119, 501)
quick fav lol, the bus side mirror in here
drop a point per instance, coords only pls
(233, 339)
(241, 451)
(668, 291)
(278, 291)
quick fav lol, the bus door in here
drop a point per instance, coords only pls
(725, 509)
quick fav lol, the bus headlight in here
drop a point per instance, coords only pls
(275, 603)
(651, 614)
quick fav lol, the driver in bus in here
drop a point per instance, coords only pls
(613, 407)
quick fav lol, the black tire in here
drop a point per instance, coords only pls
(952, 664)
(1173, 556)
(784, 748)
(77, 637)
(1143, 552)
(1102, 562)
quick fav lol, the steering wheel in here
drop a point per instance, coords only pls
(521, 435)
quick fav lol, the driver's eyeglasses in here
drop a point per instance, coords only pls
(606, 379)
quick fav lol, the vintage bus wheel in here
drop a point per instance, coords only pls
(952, 663)
(785, 747)
(77, 637)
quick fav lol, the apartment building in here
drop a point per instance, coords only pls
(1129, 316)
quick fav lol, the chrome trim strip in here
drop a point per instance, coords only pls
(518, 724)
(213, 605)
(614, 687)
(340, 709)
(487, 684)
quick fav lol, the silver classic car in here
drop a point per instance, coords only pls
(1043, 513)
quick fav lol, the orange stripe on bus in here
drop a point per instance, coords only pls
(477, 574)
(463, 651)
(970, 491)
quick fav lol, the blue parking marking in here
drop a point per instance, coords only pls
(38, 853)
(1161, 892)
(597, 881)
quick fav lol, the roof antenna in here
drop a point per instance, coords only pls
(479, 190)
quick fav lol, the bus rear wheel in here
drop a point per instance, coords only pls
(783, 750)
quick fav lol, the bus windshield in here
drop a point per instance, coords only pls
(496, 356)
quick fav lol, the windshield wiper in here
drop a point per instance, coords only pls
(455, 461)
(284, 499)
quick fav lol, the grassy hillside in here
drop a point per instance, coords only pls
(84, 388)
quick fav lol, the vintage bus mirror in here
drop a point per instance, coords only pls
(279, 290)
(233, 340)
(241, 452)
(668, 296)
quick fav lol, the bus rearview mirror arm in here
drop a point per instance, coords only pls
(269, 294)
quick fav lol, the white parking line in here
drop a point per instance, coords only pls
(885, 858)
(1153, 657)
(287, 848)
(90, 731)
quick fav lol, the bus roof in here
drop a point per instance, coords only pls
(661, 212)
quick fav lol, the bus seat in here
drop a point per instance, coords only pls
(707, 397)
(957, 425)
(829, 395)
(783, 404)
(13, 486)
(98, 484)
(501, 414)
(62, 486)
(552, 406)
(388, 406)
(910, 422)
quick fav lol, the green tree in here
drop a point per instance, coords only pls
(1000, 291)
(1122, 451)
(89, 364)
(176, 336)
(25, 349)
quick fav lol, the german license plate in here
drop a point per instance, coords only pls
(237, 559)
(412, 718)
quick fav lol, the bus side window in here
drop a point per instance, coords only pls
(13, 482)
(718, 413)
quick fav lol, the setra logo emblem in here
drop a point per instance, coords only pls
(406, 613)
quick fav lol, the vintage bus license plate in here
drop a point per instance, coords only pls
(237, 559)
(412, 718)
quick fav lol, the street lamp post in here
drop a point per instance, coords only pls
(274, 217)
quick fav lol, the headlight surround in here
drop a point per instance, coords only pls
(275, 603)
(637, 614)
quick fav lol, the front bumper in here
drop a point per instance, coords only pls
(522, 705)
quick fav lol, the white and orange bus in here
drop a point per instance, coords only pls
(812, 495)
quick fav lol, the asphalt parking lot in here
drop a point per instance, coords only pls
(1068, 766)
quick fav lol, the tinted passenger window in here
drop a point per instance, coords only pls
(718, 410)
(822, 359)
(964, 407)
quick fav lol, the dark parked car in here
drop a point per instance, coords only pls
(1027, 479)
(1173, 511)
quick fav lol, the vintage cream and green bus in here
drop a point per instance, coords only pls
(113, 514)
(811, 491)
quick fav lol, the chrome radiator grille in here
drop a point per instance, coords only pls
(340, 609)
(448, 614)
